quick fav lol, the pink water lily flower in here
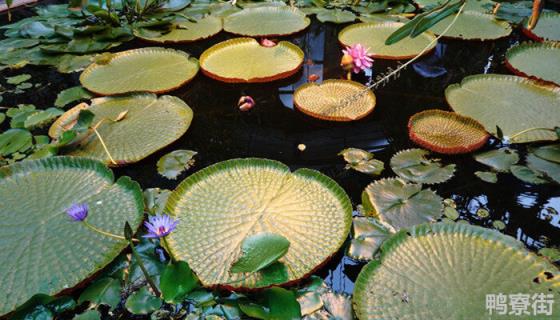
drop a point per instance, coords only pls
(357, 58)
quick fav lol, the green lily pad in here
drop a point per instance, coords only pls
(150, 69)
(223, 204)
(512, 103)
(336, 16)
(130, 126)
(447, 271)
(245, 60)
(535, 60)
(367, 236)
(500, 160)
(18, 79)
(186, 31)
(402, 205)
(547, 28)
(373, 36)
(414, 165)
(142, 302)
(266, 21)
(176, 281)
(549, 168)
(362, 161)
(259, 251)
(60, 252)
(70, 95)
(550, 152)
(106, 291)
(174, 163)
(527, 174)
(476, 5)
(15, 140)
(487, 176)
(473, 25)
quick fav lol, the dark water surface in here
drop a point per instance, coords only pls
(273, 129)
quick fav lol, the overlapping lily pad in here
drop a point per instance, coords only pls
(415, 165)
(547, 28)
(446, 271)
(373, 36)
(225, 203)
(131, 127)
(476, 5)
(184, 32)
(266, 21)
(514, 104)
(42, 249)
(400, 204)
(331, 100)
(149, 69)
(446, 132)
(245, 60)
(536, 60)
(473, 25)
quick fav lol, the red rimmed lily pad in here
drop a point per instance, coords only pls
(540, 61)
(446, 132)
(547, 28)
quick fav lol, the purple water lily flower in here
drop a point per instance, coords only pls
(78, 211)
(159, 226)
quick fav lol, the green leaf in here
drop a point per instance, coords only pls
(72, 95)
(14, 140)
(280, 20)
(61, 304)
(548, 168)
(414, 165)
(259, 251)
(367, 236)
(549, 152)
(142, 302)
(18, 79)
(487, 176)
(253, 310)
(155, 199)
(362, 161)
(336, 16)
(34, 307)
(527, 175)
(405, 30)
(103, 291)
(88, 315)
(282, 304)
(42, 118)
(434, 17)
(174, 163)
(276, 273)
(177, 281)
(500, 160)
(553, 254)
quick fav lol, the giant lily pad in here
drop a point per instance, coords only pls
(42, 249)
(512, 103)
(547, 28)
(500, 160)
(147, 69)
(373, 36)
(476, 5)
(223, 204)
(245, 60)
(447, 271)
(400, 204)
(266, 21)
(415, 165)
(327, 100)
(131, 127)
(446, 132)
(186, 31)
(536, 60)
(473, 25)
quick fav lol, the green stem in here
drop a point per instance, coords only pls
(144, 270)
(165, 245)
(105, 233)
(529, 130)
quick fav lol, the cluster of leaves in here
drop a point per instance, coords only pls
(542, 164)
(344, 11)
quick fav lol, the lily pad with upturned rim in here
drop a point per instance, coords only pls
(243, 60)
(326, 100)
(151, 69)
(539, 61)
(186, 31)
(446, 271)
(54, 252)
(512, 103)
(222, 204)
(473, 25)
(373, 36)
(400, 204)
(266, 21)
(137, 135)
(446, 132)
(547, 28)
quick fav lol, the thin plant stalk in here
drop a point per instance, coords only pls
(105, 233)
(165, 245)
(151, 282)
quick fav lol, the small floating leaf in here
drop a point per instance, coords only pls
(415, 166)
(177, 280)
(549, 153)
(14, 140)
(362, 161)
(548, 168)
(528, 175)
(367, 236)
(174, 163)
(103, 291)
(473, 25)
(487, 176)
(500, 160)
(259, 251)
(18, 79)
(336, 16)
(70, 95)
(142, 302)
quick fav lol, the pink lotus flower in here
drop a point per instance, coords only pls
(267, 43)
(357, 58)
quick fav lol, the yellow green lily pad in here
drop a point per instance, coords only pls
(536, 60)
(266, 21)
(245, 60)
(547, 28)
(187, 31)
(373, 36)
(473, 25)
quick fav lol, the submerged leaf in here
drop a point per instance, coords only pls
(174, 163)
(413, 165)
(500, 160)
(260, 251)
(548, 168)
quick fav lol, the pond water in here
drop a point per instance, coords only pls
(273, 129)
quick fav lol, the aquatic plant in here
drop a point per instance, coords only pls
(535, 60)
(78, 211)
(246, 103)
(362, 161)
(356, 58)
(160, 226)
(417, 165)
(266, 21)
